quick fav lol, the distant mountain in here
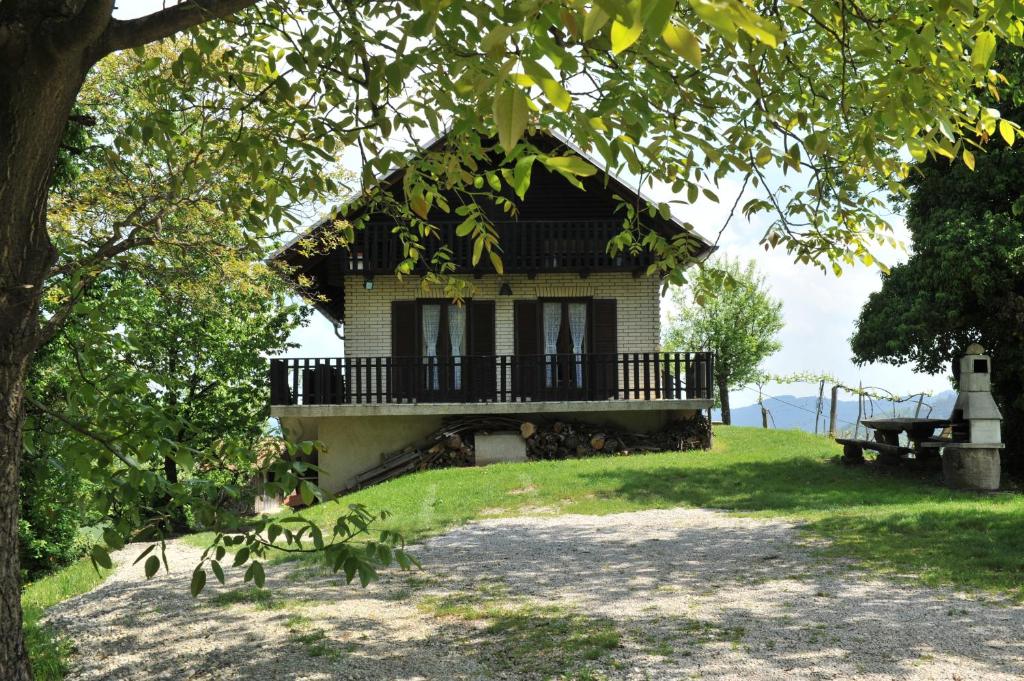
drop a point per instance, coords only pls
(788, 411)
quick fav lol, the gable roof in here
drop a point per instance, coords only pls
(672, 226)
(392, 175)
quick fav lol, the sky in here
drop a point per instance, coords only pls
(819, 309)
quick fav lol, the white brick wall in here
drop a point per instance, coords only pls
(368, 313)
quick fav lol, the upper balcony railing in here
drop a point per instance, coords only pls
(492, 378)
(526, 246)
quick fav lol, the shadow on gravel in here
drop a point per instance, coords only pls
(890, 521)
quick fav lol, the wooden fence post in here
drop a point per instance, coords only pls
(818, 408)
(832, 412)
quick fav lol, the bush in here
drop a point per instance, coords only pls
(50, 518)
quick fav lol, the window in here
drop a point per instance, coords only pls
(443, 333)
(564, 335)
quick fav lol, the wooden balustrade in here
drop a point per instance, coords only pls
(492, 378)
(526, 246)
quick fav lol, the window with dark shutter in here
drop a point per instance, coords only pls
(604, 346)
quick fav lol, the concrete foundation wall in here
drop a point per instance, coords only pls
(355, 444)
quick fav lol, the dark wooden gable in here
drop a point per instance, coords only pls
(557, 228)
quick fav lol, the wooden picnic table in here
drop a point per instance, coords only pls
(887, 439)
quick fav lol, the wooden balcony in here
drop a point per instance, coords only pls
(529, 246)
(482, 379)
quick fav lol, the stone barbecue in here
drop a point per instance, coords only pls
(971, 459)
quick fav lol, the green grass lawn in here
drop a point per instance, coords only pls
(48, 652)
(894, 523)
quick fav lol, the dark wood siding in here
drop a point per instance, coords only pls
(604, 344)
(404, 348)
(525, 372)
(481, 346)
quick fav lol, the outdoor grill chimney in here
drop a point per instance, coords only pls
(971, 460)
(976, 417)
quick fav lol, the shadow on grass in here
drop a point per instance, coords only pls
(898, 522)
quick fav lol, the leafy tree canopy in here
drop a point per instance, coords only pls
(727, 309)
(964, 280)
(150, 391)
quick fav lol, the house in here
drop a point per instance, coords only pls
(566, 332)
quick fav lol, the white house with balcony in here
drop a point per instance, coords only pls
(567, 332)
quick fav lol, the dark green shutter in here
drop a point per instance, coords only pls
(604, 347)
(480, 370)
(527, 366)
(405, 349)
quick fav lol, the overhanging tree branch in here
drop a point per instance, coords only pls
(123, 35)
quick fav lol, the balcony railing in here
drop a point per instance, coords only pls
(492, 378)
(526, 245)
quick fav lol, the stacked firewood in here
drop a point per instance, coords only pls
(563, 440)
(453, 444)
(450, 451)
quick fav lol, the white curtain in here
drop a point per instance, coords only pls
(578, 329)
(457, 332)
(431, 327)
(552, 313)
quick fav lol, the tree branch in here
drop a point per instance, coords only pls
(123, 35)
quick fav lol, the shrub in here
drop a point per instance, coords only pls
(50, 515)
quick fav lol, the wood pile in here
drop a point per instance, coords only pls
(452, 445)
(564, 440)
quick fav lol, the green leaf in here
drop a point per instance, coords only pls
(683, 42)
(521, 175)
(510, 111)
(595, 20)
(968, 159)
(241, 556)
(984, 48)
(1006, 131)
(144, 554)
(478, 249)
(572, 165)
(657, 14)
(112, 538)
(496, 262)
(218, 571)
(100, 556)
(151, 566)
(306, 492)
(496, 38)
(624, 35)
(259, 577)
(366, 573)
(198, 581)
(553, 90)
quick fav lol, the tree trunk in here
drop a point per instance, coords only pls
(723, 396)
(38, 87)
(13, 658)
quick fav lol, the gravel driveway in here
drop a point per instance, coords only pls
(675, 594)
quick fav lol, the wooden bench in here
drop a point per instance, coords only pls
(853, 450)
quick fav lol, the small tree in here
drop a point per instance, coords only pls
(727, 309)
